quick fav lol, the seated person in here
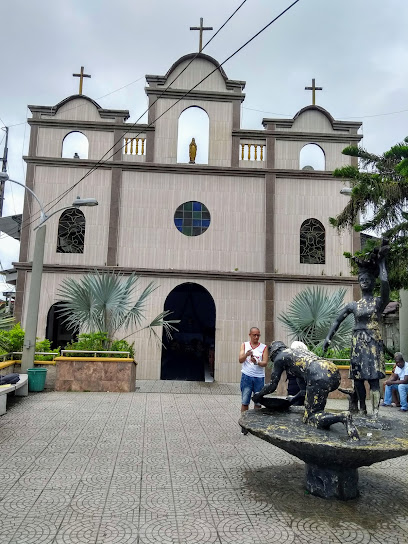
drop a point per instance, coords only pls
(395, 397)
(399, 381)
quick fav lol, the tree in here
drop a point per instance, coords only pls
(311, 314)
(101, 302)
(381, 186)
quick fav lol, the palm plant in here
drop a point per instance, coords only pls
(380, 185)
(311, 314)
(101, 302)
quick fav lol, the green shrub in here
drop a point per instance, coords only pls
(99, 341)
(12, 340)
(45, 346)
(333, 353)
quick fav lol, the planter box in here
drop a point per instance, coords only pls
(95, 374)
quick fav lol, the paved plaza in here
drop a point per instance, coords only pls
(166, 465)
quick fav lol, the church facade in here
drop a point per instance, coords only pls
(229, 240)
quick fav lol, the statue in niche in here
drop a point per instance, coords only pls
(316, 378)
(193, 151)
(367, 349)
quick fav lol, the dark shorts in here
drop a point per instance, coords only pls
(249, 385)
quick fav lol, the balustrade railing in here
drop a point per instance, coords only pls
(252, 151)
(134, 146)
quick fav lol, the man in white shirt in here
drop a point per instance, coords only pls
(253, 357)
(398, 380)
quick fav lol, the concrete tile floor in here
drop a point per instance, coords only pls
(166, 465)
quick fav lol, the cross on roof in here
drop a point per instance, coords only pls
(201, 28)
(313, 88)
(81, 78)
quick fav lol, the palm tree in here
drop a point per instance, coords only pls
(101, 302)
(311, 314)
(380, 185)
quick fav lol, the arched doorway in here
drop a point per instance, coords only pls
(190, 354)
(57, 332)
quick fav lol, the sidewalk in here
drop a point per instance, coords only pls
(172, 467)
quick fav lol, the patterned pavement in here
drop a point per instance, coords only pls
(166, 465)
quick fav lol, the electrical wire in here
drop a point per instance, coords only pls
(337, 116)
(100, 162)
(55, 201)
(82, 105)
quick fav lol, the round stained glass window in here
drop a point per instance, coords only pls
(192, 218)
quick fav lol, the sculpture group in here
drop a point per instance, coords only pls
(332, 461)
(317, 377)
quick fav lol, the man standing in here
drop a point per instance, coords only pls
(253, 358)
(399, 381)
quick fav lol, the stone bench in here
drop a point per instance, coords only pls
(20, 389)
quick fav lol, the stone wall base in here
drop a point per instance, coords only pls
(95, 374)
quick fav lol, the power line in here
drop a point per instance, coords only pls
(338, 116)
(100, 162)
(55, 201)
(82, 105)
(181, 98)
(59, 198)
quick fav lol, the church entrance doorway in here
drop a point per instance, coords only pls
(190, 354)
(57, 332)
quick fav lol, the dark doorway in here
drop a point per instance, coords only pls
(57, 332)
(190, 354)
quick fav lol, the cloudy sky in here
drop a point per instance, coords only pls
(357, 50)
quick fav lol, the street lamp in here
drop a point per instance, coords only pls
(30, 335)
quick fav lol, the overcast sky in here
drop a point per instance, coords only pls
(357, 50)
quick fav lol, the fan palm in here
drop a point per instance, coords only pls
(101, 302)
(311, 314)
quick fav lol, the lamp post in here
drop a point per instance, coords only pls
(30, 335)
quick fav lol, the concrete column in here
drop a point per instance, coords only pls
(31, 321)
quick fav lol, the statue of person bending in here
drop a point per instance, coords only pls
(367, 349)
(316, 378)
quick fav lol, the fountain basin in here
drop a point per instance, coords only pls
(332, 459)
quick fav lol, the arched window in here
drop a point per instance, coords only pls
(75, 146)
(312, 242)
(312, 157)
(193, 123)
(71, 232)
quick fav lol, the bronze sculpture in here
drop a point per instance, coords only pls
(367, 350)
(316, 377)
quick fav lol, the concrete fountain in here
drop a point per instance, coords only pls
(333, 444)
(332, 458)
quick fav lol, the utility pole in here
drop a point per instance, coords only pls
(3, 169)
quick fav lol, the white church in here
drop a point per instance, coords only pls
(230, 234)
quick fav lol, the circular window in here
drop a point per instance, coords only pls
(192, 218)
